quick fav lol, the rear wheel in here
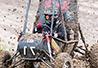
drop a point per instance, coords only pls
(94, 56)
(63, 60)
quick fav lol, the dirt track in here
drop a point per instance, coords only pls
(88, 16)
(11, 21)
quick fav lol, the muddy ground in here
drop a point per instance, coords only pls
(12, 19)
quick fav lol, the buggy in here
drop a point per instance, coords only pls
(44, 50)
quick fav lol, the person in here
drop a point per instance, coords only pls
(62, 5)
(47, 5)
(58, 29)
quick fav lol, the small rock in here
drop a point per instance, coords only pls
(21, 16)
(22, 6)
(12, 49)
(8, 42)
(10, 25)
(20, 11)
(10, 37)
(4, 16)
(9, 9)
(5, 29)
(21, 21)
(14, 10)
(17, 18)
(14, 38)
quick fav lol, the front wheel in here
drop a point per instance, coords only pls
(6, 62)
(63, 60)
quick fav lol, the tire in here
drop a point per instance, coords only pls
(63, 60)
(5, 58)
(94, 56)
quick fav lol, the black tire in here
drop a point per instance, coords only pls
(6, 62)
(62, 60)
(94, 56)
